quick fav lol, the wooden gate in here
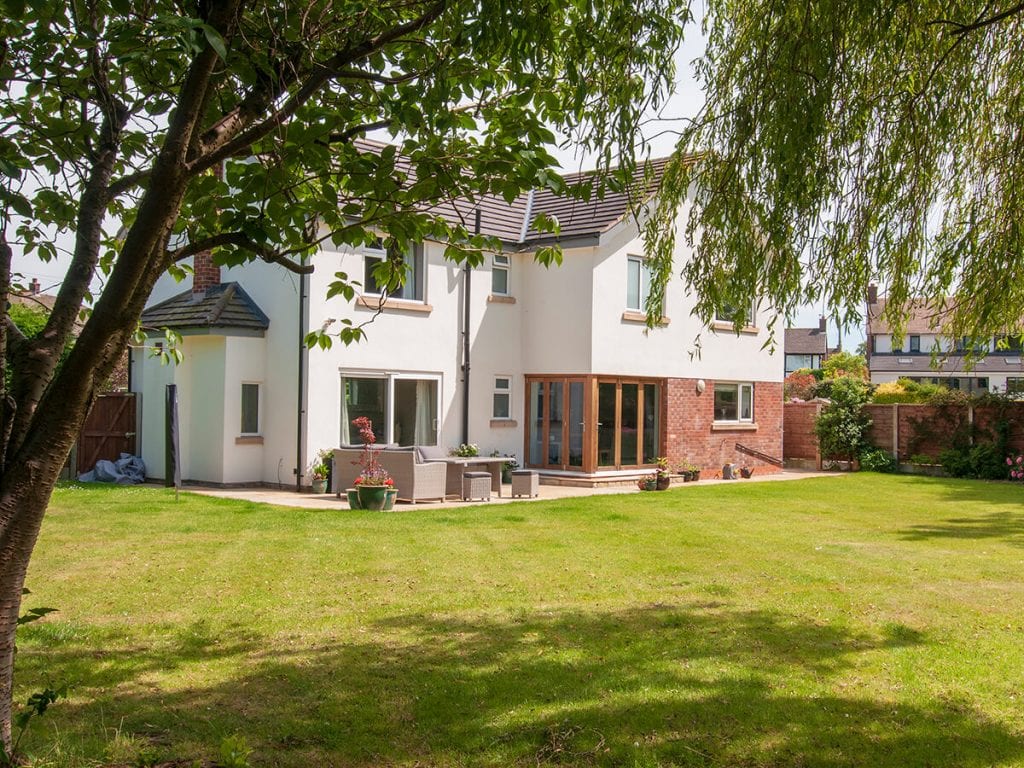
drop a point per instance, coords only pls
(109, 430)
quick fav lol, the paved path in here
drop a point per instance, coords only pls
(289, 498)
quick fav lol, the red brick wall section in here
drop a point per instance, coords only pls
(798, 439)
(691, 436)
(207, 274)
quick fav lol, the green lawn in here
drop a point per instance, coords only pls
(854, 621)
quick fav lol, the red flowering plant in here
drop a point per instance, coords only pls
(1016, 465)
(373, 473)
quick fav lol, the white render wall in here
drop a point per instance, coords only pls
(564, 320)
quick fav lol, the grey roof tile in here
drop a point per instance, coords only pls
(226, 305)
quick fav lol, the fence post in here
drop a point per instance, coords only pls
(896, 431)
(817, 445)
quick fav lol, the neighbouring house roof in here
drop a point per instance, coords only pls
(805, 341)
(225, 307)
(918, 364)
(924, 317)
(578, 219)
(43, 301)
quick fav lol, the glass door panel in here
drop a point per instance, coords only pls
(652, 426)
(555, 424)
(575, 417)
(363, 397)
(415, 417)
(630, 425)
(606, 424)
(536, 441)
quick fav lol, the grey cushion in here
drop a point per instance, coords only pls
(431, 453)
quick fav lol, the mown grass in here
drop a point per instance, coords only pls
(862, 620)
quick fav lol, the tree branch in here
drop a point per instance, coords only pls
(119, 186)
(241, 240)
(238, 130)
(980, 23)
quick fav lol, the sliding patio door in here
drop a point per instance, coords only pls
(403, 407)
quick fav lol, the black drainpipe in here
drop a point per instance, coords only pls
(465, 339)
(299, 412)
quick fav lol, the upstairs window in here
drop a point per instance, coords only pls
(915, 343)
(499, 274)
(638, 283)
(376, 275)
(728, 313)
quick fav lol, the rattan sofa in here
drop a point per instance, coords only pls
(415, 480)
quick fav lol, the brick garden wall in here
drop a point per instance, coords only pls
(909, 429)
(691, 435)
(798, 439)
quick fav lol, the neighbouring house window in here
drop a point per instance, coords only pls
(915, 343)
(250, 409)
(638, 283)
(981, 383)
(1014, 385)
(408, 286)
(734, 402)
(727, 313)
(403, 407)
(796, 362)
(499, 274)
(502, 400)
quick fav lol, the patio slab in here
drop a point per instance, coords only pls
(288, 497)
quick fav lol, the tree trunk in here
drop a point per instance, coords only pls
(24, 495)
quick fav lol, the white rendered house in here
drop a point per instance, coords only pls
(554, 366)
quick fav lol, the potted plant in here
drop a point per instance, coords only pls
(649, 483)
(663, 478)
(374, 487)
(691, 472)
(320, 471)
(746, 471)
(511, 464)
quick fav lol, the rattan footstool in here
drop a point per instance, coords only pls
(476, 485)
(525, 483)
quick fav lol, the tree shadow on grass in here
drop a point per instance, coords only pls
(1007, 527)
(696, 684)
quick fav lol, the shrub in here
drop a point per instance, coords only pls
(1015, 463)
(845, 364)
(877, 460)
(956, 462)
(842, 424)
(907, 391)
(922, 458)
(987, 462)
(800, 384)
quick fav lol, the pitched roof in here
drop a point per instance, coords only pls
(924, 316)
(225, 305)
(911, 364)
(576, 217)
(805, 341)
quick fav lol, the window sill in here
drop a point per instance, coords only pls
(498, 298)
(395, 305)
(503, 423)
(734, 426)
(718, 325)
(632, 316)
(249, 440)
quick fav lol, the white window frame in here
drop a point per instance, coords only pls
(498, 265)
(418, 252)
(738, 387)
(389, 402)
(259, 408)
(507, 391)
(749, 321)
(643, 290)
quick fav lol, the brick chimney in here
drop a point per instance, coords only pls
(822, 325)
(33, 287)
(872, 294)
(206, 273)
